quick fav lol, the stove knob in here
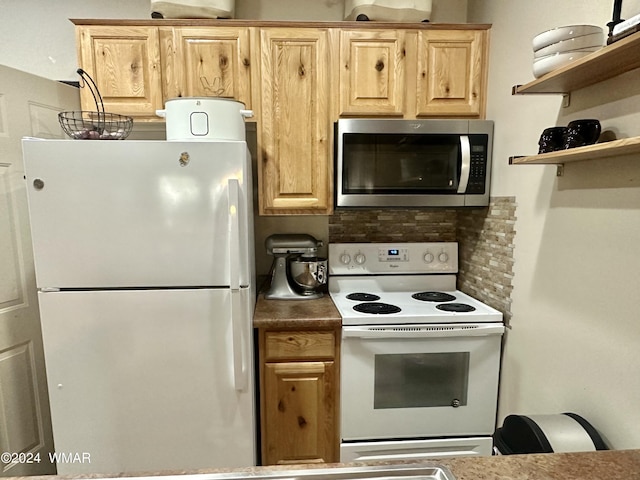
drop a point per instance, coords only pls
(443, 257)
(345, 259)
(360, 258)
(428, 257)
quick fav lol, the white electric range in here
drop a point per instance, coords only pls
(420, 360)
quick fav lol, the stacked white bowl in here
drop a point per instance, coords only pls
(557, 47)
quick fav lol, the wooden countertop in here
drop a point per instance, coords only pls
(601, 465)
(299, 314)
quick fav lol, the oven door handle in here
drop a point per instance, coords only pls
(465, 166)
(422, 331)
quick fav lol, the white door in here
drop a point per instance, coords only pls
(419, 381)
(137, 213)
(28, 106)
(145, 380)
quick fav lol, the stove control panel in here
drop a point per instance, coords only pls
(392, 258)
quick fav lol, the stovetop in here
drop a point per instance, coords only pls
(406, 308)
(403, 283)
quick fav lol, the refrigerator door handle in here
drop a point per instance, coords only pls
(234, 233)
(238, 314)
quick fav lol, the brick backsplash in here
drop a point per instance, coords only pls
(393, 225)
(485, 253)
(484, 235)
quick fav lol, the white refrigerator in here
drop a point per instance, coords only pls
(145, 272)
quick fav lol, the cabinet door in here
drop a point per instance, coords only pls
(125, 64)
(451, 73)
(299, 413)
(295, 155)
(372, 72)
(206, 62)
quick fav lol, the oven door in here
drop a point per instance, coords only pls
(419, 381)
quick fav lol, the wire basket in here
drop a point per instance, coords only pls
(84, 125)
(98, 125)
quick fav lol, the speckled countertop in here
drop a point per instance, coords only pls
(602, 465)
(318, 313)
(609, 465)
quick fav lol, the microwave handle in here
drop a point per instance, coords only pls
(465, 152)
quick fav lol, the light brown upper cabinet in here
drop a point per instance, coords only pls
(413, 73)
(372, 72)
(206, 62)
(125, 64)
(452, 71)
(294, 128)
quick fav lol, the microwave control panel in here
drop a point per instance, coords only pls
(478, 170)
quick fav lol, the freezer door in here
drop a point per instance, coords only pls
(144, 381)
(137, 213)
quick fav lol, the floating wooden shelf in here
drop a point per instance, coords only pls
(626, 146)
(608, 62)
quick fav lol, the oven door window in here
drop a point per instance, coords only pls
(421, 380)
(400, 163)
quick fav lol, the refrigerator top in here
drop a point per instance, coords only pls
(139, 213)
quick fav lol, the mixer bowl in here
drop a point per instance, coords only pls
(308, 274)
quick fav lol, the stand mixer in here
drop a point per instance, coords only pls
(297, 273)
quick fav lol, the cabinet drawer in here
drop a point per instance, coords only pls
(299, 345)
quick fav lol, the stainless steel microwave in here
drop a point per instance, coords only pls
(412, 163)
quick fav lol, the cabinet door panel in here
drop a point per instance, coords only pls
(295, 152)
(372, 75)
(207, 62)
(451, 73)
(299, 413)
(125, 64)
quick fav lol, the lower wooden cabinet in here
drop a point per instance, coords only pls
(299, 395)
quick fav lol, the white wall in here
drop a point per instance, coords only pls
(37, 36)
(575, 327)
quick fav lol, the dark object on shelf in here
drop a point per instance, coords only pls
(566, 432)
(580, 133)
(623, 34)
(98, 125)
(362, 18)
(552, 139)
(156, 15)
(617, 8)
